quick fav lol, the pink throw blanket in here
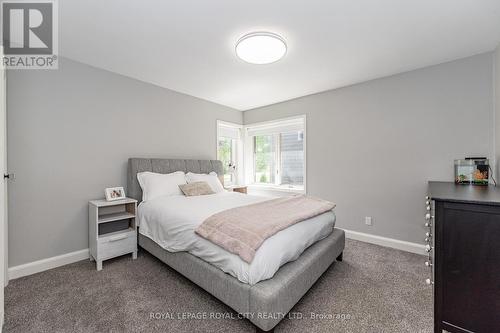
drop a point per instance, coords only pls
(242, 230)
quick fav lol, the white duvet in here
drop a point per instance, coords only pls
(170, 221)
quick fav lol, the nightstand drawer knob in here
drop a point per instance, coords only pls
(117, 238)
(429, 281)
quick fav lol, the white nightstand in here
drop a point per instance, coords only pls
(112, 229)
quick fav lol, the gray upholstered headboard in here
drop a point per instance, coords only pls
(165, 165)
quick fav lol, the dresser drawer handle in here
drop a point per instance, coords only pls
(117, 238)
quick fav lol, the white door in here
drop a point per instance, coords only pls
(3, 187)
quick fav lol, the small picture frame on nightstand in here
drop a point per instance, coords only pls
(114, 193)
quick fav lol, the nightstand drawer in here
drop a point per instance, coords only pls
(113, 245)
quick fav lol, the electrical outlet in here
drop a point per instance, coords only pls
(368, 220)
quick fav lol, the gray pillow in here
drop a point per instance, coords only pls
(196, 188)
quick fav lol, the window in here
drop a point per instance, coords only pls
(264, 159)
(292, 158)
(277, 154)
(226, 151)
(229, 150)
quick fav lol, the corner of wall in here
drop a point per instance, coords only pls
(496, 111)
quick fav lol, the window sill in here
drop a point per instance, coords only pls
(284, 188)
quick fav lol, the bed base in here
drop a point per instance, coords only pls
(274, 296)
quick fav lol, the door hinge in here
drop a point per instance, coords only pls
(9, 176)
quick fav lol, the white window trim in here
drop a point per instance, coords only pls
(248, 157)
(240, 172)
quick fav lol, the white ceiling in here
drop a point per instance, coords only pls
(188, 45)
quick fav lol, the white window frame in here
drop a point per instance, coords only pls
(238, 153)
(249, 158)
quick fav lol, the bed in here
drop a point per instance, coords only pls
(246, 289)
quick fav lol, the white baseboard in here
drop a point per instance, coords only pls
(48, 263)
(69, 258)
(387, 242)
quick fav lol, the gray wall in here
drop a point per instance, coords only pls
(70, 132)
(372, 147)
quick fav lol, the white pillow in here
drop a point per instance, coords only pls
(158, 184)
(210, 178)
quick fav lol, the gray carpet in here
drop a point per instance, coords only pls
(374, 289)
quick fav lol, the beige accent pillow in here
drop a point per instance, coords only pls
(211, 178)
(196, 188)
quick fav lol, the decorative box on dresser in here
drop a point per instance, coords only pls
(463, 236)
(112, 229)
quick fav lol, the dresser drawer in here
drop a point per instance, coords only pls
(116, 244)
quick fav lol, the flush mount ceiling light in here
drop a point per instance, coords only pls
(261, 48)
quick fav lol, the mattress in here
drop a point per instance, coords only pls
(170, 222)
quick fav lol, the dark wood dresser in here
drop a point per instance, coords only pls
(463, 238)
